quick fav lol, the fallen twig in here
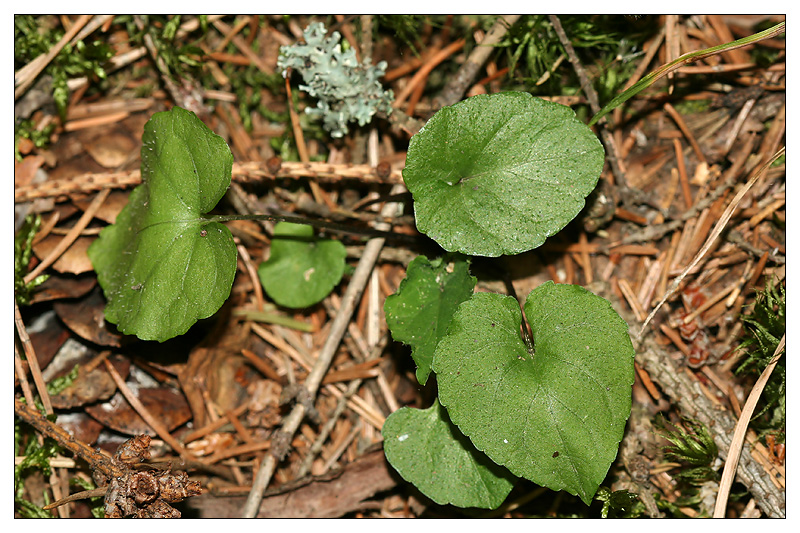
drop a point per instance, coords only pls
(96, 459)
(153, 422)
(459, 84)
(692, 403)
(33, 361)
(242, 172)
(594, 103)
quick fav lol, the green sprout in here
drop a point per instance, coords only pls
(619, 504)
(478, 157)
(23, 250)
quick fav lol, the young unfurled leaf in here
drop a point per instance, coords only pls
(301, 269)
(427, 450)
(498, 174)
(162, 265)
(420, 311)
(554, 414)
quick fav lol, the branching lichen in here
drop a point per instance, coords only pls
(347, 90)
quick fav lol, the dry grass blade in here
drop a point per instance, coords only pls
(426, 69)
(723, 221)
(19, 370)
(737, 441)
(683, 60)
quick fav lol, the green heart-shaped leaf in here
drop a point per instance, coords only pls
(162, 265)
(556, 416)
(420, 311)
(498, 174)
(301, 270)
(428, 451)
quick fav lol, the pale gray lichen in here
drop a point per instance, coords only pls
(347, 91)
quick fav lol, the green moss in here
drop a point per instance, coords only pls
(692, 107)
(764, 327)
(36, 459)
(33, 36)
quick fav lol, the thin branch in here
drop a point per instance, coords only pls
(96, 459)
(320, 223)
(33, 360)
(458, 84)
(594, 103)
(252, 171)
(684, 390)
(325, 431)
(83, 495)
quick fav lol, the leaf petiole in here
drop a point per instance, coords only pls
(317, 223)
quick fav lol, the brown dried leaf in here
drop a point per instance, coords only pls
(111, 207)
(58, 287)
(222, 374)
(25, 170)
(112, 149)
(73, 261)
(85, 317)
(25, 145)
(81, 426)
(47, 335)
(165, 404)
(92, 386)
